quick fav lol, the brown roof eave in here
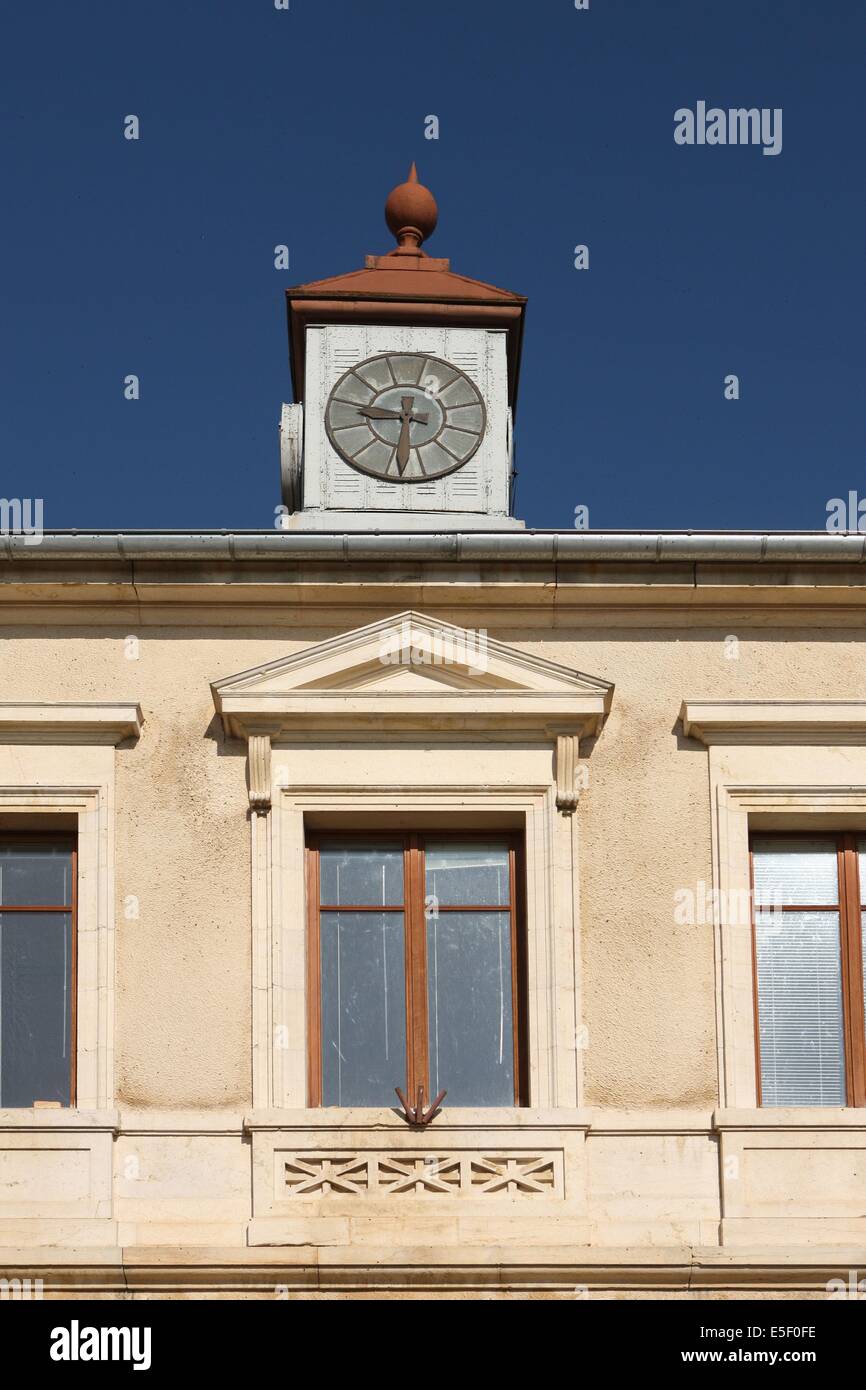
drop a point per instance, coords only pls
(344, 307)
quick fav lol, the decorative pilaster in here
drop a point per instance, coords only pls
(567, 790)
(259, 783)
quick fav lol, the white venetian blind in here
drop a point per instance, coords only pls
(798, 950)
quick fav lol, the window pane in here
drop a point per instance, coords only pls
(467, 874)
(795, 871)
(470, 1007)
(35, 875)
(363, 1007)
(800, 1008)
(361, 875)
(35, 1007)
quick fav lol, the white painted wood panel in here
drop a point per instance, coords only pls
(331, 485)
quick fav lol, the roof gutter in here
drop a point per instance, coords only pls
(527, 547)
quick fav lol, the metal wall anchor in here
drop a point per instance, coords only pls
(416, 1115)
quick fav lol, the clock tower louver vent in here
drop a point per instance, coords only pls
(405, 377)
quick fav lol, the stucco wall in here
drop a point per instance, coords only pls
(183, 1013)
(649, 991)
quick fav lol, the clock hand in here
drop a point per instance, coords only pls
(406, 418)
(375, 412)
(403, 442)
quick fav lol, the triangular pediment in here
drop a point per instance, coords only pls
(410, 666)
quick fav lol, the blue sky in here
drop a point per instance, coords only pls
(261, 126)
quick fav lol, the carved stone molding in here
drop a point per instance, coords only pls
(81, 787)
(57, 722)
(259, 758)
(411, 673)
(567, 789)
(774, 722)
(385, 1173)
(448, 696)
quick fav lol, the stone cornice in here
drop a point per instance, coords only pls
(791, 1119)
(244, 716)
(46, 722)
(538, 1268)
(411, 672)
(63, 1120)
(543, 597)
(385, 1121)
(774, 721)
(538, 580)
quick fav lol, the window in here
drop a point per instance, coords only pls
(808, 947)
(37, 972)
(416, 970)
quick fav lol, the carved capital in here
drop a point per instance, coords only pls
(259, 764)
(567, 790)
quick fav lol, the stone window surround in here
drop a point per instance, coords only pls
(279, 927)
(761, 773)
(58, 759)
(323, 696)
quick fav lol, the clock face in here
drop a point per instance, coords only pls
(405, 417)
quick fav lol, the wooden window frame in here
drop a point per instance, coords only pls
(70, 843)
(852, 900)
(415, 936)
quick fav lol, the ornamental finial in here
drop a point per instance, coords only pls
(412, 214)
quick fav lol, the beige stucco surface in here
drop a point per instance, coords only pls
(638, 1164)
(183, 843)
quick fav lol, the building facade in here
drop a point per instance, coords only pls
(558, 835)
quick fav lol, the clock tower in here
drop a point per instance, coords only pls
(405, 376)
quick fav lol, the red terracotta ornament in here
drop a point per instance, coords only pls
(411, 213)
